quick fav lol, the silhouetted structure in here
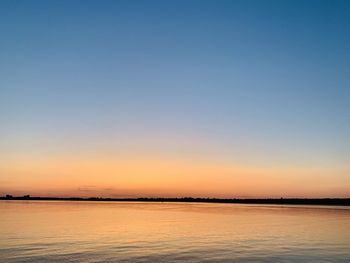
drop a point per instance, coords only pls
(272, 201)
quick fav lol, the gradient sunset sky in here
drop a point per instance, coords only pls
(175, 98)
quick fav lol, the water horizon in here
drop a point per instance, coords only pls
(66, 231)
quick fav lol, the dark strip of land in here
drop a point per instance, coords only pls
(275, 201)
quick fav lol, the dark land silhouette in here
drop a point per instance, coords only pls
(276, 201)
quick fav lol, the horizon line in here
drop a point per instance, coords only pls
(278, 201)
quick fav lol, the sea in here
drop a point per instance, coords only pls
(84, 231)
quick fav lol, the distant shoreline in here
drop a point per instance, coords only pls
(277, 201)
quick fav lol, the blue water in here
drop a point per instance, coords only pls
(40, 231)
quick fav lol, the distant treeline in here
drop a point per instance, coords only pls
(277, 201)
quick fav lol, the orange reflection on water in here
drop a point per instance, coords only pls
(154, 230)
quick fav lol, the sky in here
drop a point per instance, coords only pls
(175, 98)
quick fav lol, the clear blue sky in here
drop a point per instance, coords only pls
(254, 83)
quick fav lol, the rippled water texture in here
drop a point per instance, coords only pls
(38, 231)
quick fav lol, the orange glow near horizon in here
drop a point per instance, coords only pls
(162, 177)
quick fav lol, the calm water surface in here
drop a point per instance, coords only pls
(39, 231)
